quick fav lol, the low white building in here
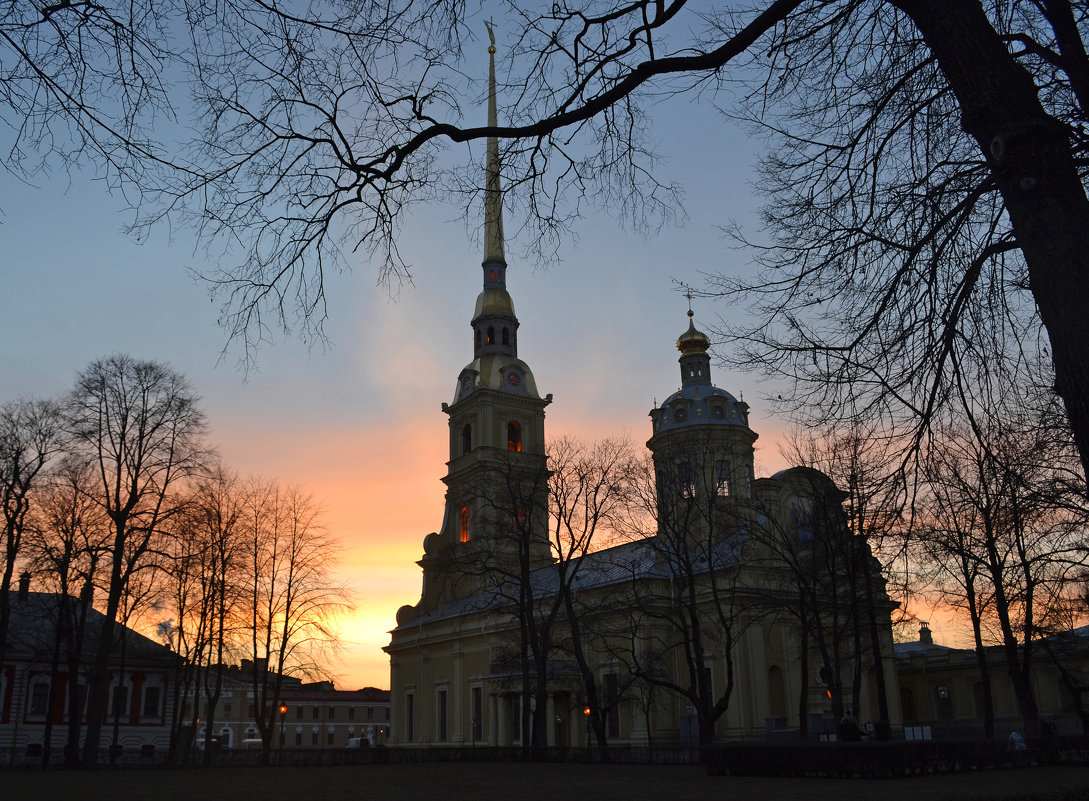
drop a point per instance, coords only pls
(43, 682)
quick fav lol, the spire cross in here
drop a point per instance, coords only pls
(688, 295)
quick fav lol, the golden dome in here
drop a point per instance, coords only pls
(692, 340)
(493, 302)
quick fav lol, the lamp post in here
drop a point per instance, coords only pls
(586, 714)
(283, 714)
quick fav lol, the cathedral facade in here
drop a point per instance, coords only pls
(739, 614)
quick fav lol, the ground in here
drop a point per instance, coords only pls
(527, 782)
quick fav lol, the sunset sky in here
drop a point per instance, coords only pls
(359, 423)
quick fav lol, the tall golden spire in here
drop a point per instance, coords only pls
(493, 196)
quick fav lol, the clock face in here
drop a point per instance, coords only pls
(513, 379)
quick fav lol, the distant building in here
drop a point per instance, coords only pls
(38, 690)
(941, 688)
(318, 715)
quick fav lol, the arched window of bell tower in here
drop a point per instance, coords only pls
(490, 339)
(477, 343)
(514, 436)
(466, 439)
(506, 336)
(463, 524)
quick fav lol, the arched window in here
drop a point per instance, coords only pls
(517, 518)
(907, 704)
(466, 438)
(463, 524)
(506, 336)
(514, 436)
(491, 335)
(477, 343)
(680, 415)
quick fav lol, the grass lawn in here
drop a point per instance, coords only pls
(524, 782)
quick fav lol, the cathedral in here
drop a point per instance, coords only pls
(739, 614)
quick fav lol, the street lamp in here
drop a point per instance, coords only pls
(283, 714)
(586, 714)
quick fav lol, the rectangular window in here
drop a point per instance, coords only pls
(151, 702)
(298, 712)
(387, 713)
(332, 713)
(686, 481)
(612, 705)
(313, 737)
(329, 740)
(722, 477)
(39, 698)
(478, 714)
(410, 714)
(120, 701)
(370, 713)
(316, 713)
(81, 699)
(298, 736)
(442, 715)
(351, 713)
(227, 709)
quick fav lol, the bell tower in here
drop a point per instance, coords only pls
(702, 448)
(496, 513)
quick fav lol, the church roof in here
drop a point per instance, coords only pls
(642, 560)
(499, 372)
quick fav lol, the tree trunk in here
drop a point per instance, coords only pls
(1030, 158)
(99, 688)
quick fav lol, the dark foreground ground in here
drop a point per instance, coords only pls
(526, 782)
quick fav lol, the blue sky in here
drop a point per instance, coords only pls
(358, 423)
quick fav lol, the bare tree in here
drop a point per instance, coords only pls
(216, 517)
(924, 175)
(505, 560)
(588, 486)
(291, 598)
(89, 85)
(30, 436)
(874, 504)
(537, 521)
(1014, 516)
(64, 548)
(138, 426)
(692, 610)
(925, 183)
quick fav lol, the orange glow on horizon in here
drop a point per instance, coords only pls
(381, 491)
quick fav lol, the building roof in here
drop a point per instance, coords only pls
(640, 560)
(323, 691)
(33, 628)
